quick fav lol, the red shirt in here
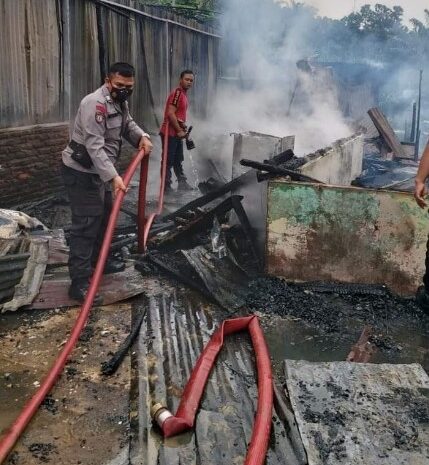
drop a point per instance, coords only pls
(179, 99)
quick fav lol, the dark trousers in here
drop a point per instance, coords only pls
(175, 159)
(91, 205)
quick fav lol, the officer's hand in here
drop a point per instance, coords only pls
(181, 134)
(420, 193)
(145, 144)
(118, 185)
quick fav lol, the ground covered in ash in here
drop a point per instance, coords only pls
(337, 308)
(320, 303)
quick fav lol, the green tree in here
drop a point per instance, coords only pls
(381, 21)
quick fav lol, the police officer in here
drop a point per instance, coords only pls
(90, 175)
(176, 108)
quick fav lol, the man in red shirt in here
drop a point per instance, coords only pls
(175, 113)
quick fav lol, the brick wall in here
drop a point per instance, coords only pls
(30, 160)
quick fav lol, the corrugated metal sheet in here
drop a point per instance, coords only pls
(318, 233)
(34, 56)
(176, 328)
(30, 63)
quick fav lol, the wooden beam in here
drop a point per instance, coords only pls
(386, 132)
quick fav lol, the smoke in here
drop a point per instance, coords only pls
(262, 89)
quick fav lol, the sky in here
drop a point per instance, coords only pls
(340, 8)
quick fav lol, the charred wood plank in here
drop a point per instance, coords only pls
(295, 176)
(228, 187)
(386, 132)
(205, 199)
(247, 228)
(129, 212)
(363, 350)
(199, 223)
(109, 368)
(281, 158)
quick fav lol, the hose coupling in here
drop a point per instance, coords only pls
(160, 414)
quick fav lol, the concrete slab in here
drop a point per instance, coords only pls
(359, 414)
(258, 147)
(338, 164)
(328, 233)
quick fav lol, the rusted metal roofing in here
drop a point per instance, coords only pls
(50, 58)
(178, 325)
(30, 83)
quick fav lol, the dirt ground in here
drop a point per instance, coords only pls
(84, 420)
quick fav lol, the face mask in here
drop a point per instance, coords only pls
(120, 95)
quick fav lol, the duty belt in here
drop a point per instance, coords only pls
(80, 155)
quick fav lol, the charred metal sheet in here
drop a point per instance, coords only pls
(223, 278)
(351, 413)
(176, 268)
(176, 328)
(326, 233)
(32, 278)
(8, 280)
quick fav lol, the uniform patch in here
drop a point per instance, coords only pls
(101, 108)
(176, 97)
(99, 116)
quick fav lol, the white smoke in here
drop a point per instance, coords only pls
(262, 89)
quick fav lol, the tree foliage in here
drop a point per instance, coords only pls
(203, 10)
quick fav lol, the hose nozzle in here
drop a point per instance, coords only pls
(160, 414)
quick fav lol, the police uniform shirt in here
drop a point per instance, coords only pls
(98, 126)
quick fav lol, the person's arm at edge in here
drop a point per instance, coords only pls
(420, 190)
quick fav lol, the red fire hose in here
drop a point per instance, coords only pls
(185, 415)
(15, 431)
(186, 412)
(144, 224)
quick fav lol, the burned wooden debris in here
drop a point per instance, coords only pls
(278, 171)
(364, 349)
(109, 367)
(386, 132)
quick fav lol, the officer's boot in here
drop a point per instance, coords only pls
(79, 289)
(113, 265)
(182, 184)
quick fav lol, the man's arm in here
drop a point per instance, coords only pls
(171, 113)
(422, 174)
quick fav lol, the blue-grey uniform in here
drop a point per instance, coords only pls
(88, 166)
